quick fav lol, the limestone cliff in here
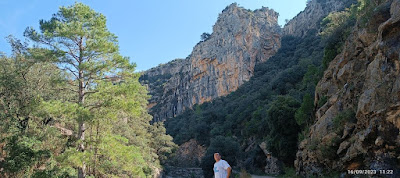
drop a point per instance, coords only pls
(218, 65)
(358, 126)
(310, 18)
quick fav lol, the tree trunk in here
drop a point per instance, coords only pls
(81, 147)
(82, 126)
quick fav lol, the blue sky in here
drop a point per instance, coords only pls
(150, 32)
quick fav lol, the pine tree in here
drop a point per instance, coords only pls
(108, 113)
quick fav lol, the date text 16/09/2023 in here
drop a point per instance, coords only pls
(369, 172)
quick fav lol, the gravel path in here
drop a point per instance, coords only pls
(254, 176)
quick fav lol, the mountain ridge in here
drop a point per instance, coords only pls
(217, 65)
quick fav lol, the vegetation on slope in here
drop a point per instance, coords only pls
(276, 106)
(247, 116)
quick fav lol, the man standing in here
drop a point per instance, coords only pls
(221, 167)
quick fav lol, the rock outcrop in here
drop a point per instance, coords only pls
(358, 127)
(310, 18)
(218, 65)
(273, 165)
(189, 154)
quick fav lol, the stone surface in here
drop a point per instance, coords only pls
(309, 19)
(343, 146)
(189, 154)
(218, 65)
(364, 78)
(273, 165)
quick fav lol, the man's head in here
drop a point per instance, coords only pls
(217, 157)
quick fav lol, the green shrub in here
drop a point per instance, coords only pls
(313, 144)
(343, 117)
(303, 134)
(289, 172)
(337, 26)
(283, 142)
(322, 101)
(303, 115)
(328, 150)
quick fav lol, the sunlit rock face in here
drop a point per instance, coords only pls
(310, 18)
(365, 79)
(218, 65)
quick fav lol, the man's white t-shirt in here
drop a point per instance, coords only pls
(220, 169)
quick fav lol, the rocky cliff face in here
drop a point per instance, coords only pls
(189, 154)
(310, 18)
(218, 65)
(358, 127)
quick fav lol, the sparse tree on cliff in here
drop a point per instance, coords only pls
(286, 21)
(205, 36)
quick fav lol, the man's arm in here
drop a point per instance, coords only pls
(229, 170)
